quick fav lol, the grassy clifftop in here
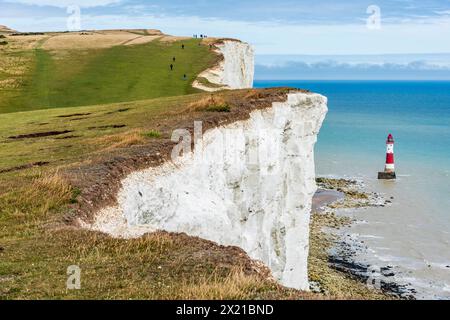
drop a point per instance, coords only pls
(54, 162)
(67, 70)
(78, 111)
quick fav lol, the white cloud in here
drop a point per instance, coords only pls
(66, 3)
(275, 38)
(426, 61)
(332, 69)
(445, 12)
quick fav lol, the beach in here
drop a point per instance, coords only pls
(331, 274)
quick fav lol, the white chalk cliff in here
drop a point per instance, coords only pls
(248, 184)
(235, 70)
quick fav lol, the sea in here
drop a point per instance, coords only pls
(411, 236)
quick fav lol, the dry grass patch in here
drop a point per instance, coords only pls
(141, 40)
(210, 103)
(258, 94)
(13, 67)
(56, 189)
(156, 266)
(121, 140)
(236, 286)
(25, 42)
(254, 94)
(239, 285)
(32, 201)
(76, 41)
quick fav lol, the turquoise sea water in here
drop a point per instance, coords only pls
(414, 233)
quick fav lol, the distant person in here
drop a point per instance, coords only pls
(182, 46)
(174, 59)
(184, 77)
(171, 67)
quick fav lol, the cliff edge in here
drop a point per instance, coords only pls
(249, 184)
(235, 69)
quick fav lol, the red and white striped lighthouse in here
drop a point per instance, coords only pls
(389, 168)
(389, 154)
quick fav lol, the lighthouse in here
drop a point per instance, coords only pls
(389, 168)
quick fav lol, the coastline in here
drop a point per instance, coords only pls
(333, 269)
(409, 236)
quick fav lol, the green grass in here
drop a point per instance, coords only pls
(153, 134)
(117, 74)
(219, 108)
(88, 125)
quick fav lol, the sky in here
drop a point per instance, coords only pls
(395, 38)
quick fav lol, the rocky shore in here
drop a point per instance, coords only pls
(333, 267)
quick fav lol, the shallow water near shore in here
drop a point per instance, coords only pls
(324, 197)
(412, 234)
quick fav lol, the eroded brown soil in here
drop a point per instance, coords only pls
(39, 134)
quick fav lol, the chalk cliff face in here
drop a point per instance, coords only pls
(235, 71)
(248, 184)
